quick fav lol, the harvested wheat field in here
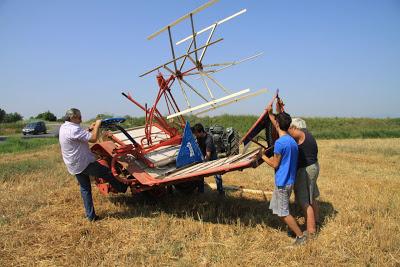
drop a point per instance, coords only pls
(42, 223)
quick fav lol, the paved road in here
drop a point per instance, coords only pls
(50, 133)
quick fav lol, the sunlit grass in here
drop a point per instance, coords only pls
(17, 144)
(42, 222)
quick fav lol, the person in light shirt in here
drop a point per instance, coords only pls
(80, 161)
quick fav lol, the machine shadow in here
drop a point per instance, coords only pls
(210, 207)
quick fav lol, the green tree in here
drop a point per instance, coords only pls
(2, 114)
(47, 116)
(103, 116)
(12, 117)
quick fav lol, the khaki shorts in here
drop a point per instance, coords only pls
(280, 200)
(305, 187)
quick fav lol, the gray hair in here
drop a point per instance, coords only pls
(72, 112)
(298, 123)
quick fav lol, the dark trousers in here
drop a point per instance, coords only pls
(97, 170)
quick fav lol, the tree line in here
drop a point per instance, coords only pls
(14, 116)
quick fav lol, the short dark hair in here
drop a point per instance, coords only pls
(198, 128)
(284, 120)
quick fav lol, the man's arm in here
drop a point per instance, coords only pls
(95, 131)
(208, 156)
(273, 161)
(270, 113)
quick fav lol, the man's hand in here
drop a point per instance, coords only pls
(269, 108)
(108, 134)
(95, 131)
(94, 124)
(91, 127)
(270, 104)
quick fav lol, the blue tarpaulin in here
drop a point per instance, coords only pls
(189, 151)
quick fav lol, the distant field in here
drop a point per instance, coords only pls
(322, 128)
(12, 128)
(42, 223)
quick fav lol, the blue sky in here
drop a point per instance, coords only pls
(329, 58)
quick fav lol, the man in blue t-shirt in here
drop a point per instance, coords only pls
(284, 161)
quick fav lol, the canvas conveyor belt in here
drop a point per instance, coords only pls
(210, 167)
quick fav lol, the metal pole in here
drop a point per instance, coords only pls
(191, 87)
(172, 47)
(187, 51)
(194, 38)
(160, 66)
(208, 41)
(206, 84)
(217, 83)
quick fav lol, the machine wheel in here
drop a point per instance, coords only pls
(186, 187)
(234, 145)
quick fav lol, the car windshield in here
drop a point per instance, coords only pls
(31, 125)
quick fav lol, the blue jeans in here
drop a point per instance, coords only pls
(218, 181)
(97, 170)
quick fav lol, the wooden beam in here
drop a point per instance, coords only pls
(241, 189)
(185, 55)
(182, 18)
(211, 26)
(213, 102)
(233, 101)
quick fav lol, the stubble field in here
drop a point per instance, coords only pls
(42, 223)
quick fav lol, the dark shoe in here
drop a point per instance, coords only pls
(300, 240)
(96, 218)
(290, 233)
(221, 192)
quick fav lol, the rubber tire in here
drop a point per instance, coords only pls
(234, 144)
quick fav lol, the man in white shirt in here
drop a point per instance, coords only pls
(80, 161)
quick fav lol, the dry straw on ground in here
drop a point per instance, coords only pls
(41, 217)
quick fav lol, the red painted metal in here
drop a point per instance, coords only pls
(133, 173)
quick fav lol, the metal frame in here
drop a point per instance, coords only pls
(196, 55)
(116, 153)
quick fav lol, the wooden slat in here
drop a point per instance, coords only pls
(211, 26)
(213, 102)
(211, 164)
(232, 101)
(163, 155)
(182, 18)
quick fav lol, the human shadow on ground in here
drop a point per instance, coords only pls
(210, 207)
